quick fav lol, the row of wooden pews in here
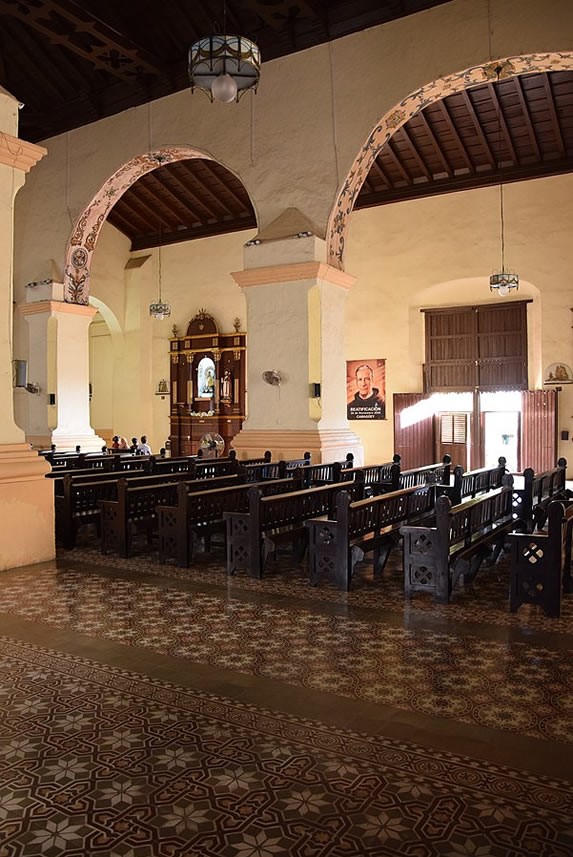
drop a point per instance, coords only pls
(450, 522)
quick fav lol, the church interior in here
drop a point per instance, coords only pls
(332, 246)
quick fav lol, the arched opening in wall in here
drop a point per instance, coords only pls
(446, 137)
(170, 195)
(159, 203)
(502, 123)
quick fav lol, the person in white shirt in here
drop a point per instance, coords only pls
(143, 447)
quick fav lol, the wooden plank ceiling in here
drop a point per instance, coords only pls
(71, 64)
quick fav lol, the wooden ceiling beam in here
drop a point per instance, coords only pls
(454, 132)
(128, 207)
(553, 115)
(388, 150)
(467, 182)
(417, 157)
(128, 57)
(205, 231)
(478, 128)
(496, 101)
(207, 166)
(153, 217)
(204, 187)
(179, 200)
(436, 148)
(120, 219)
(527, 117)
(376, 168)
(185, 189)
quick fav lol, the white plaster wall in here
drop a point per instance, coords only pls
(295, 142)
(101, 376)
(440, 251)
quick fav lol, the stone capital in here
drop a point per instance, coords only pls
(295, 272)
(53, 307)
(18, 153)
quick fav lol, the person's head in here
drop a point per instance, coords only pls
(144, 438)
(364, 378)
(134, 441)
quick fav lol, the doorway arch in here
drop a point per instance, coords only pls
(400, 113)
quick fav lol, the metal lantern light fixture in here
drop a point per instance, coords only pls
(502, 281)
(224, 67)
(159, 309)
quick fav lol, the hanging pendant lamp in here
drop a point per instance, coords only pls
(224, 67)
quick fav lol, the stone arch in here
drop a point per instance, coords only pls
(400, 113)
(84, 237)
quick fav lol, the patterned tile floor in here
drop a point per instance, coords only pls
(98, 760)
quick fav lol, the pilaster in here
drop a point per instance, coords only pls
(26, 496)
(296, 307)
(59, 363)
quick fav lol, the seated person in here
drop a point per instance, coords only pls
(134, 445)
(115, 442)
(143, 447)
(123, 444)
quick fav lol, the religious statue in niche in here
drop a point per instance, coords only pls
(206, 378)
(227, 386)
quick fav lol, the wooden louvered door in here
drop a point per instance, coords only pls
(452, 437)
(413, 440)
(476, 348)
(538, 430)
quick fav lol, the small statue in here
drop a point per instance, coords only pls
(227, 386)
(174, 331)
(237, 324)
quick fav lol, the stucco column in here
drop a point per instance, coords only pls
(59, 364)
(26, 497)
(295, 321)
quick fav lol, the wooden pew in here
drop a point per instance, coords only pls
(376, 477)
(262, 471)
(253, 535)
(532, 500)
(201, 513)
(437, 557)
(430, 474)
(541, 562)
(136, 507)
(78, 504)
(336, 544)
(473, 482)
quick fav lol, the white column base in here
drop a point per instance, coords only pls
(324, 445)
(26, 507)
(66, 442)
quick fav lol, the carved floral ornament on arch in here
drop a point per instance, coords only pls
(86, 231)
(401, 113)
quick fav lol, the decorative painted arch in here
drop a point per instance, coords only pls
(85, 234)
(403, 111)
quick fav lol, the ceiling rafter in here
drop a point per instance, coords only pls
(416, 155)
(101, 56)
(527, 117)
(208, 167)
(437, 149)
(389, 150)
(478, 129)
(154, 178)
(180, 180)
(378, 169)
(553, 114)
(454, 132)
(501, 119)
